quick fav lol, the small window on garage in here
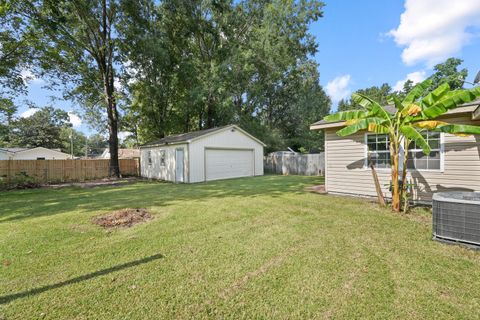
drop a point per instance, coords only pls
(149, 158)
(162, 158)
(40, 158)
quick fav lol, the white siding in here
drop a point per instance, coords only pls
(345, 171)
(227, 163)
(155, 170)
(224, 139)
(40, 152)
(4, 155)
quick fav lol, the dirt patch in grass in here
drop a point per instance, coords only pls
(123, 218)
(317, 189)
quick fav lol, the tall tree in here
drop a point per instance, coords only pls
(379, 94)
(42, 129)
(7, 111)
(79, 53)
(447, 72)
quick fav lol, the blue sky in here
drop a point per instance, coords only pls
(365, 43)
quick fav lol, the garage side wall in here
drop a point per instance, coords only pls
(155, 170)
(223, 139)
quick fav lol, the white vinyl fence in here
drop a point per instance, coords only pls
(296, 164)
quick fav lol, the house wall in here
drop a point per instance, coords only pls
(4, 155)
(35, 153)
(222, 139)
(346, 174)
(155, 170)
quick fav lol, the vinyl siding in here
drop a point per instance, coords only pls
(224, 139)
(40, 152)
(155, 170)
(346, 174)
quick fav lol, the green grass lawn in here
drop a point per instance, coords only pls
(246, 248)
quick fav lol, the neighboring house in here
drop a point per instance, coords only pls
(37, 153)
(453, 164)
(218, 153)
(122, 154)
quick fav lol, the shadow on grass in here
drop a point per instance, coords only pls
(23, 294)
(43, 202)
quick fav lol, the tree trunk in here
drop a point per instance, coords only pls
(112, 115)
(210, 113)
(395, 185)
(378, 188)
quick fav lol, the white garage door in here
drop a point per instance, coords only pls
(228, 163)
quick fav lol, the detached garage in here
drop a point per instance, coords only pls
(205, 155)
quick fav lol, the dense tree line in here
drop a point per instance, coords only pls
(446, 72)
(155, 68)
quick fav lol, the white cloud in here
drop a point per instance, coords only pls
(74, 119)
(28, 113)
(122, 135)
(29, 77)
(338, 88)
(416, 77)
(433, 30)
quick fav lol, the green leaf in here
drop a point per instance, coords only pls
(371, 105)
(412, 134)
(436, 94)
(398, 104)
(362, 124)
(346, 115)
(417, 92)
(451, 100)
(459, 129)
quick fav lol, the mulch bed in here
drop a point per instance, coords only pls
(123, 218)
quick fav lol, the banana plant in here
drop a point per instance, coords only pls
(417, 112)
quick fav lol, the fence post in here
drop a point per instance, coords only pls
(9, 171)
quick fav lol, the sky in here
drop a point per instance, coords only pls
(366, 43)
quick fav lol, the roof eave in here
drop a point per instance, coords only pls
(473, 109)
(164, 144)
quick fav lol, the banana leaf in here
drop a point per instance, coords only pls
(412, 134)
(416, 92)
(451, 100)
(361, 124)
(435, 95)
(371, 105)
(346, 115)
(459, 129)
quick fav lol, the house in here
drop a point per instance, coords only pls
(453, 164)
(218, 153)
(37, 153)
(122, 154)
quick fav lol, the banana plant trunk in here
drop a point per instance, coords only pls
(396, 194)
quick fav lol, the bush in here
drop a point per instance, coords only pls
(19, 181)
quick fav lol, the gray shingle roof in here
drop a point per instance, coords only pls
(391, 109)
(183, 136)
(13, 150)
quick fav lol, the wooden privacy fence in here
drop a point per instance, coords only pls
(46, 171)
(297, 164)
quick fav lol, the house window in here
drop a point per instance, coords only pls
(149, 157)
(162, 158)
(418, 160)
(378, 150)
(40, 158)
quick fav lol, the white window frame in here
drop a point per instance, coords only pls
(149, 157)
(365, 165)
(442, 155)
(163, 158)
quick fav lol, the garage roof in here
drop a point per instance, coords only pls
(189, 136)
